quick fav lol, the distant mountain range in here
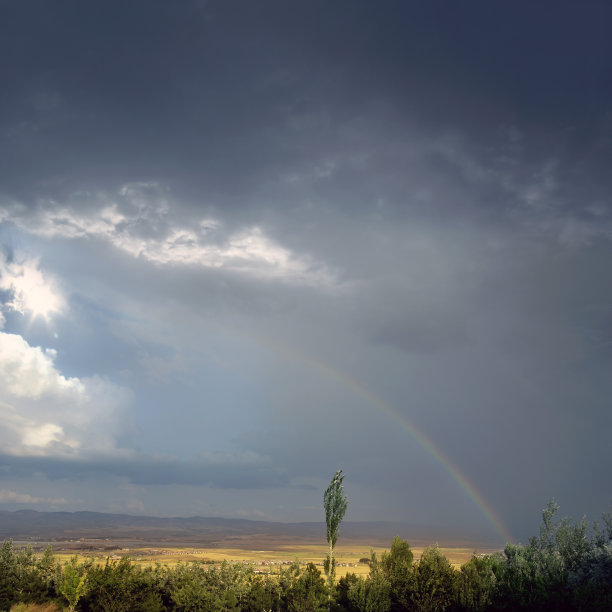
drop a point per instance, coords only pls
(212, 531)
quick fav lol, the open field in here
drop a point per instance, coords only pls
(264, 558)
(267, 545)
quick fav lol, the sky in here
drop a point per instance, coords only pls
(246, 244)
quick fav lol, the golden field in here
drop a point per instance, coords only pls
(266, 559)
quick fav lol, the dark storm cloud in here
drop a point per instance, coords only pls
(220, 473)
(211, 99)
(414, 198)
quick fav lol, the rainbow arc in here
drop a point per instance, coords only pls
(423, 440)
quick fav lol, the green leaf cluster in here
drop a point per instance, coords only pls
(335, 504)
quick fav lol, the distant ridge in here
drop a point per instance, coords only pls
(212, 531)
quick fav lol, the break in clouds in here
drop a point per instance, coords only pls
(245, 245)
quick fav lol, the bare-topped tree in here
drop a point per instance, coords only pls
(335, 504)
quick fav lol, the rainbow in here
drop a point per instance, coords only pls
(347, 381)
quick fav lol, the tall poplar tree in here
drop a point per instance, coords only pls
(335, 503)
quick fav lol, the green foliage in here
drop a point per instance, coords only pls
(23, 578)
(73, 582)
(476, 584)
(396, 567)
(342, 590)
(264, 594)
(120, 586)
(433, 585)
(192, 587)
(307, 592)
(554, 570)
(371, 595)
(190, 590)
(47, 570)
(591, 582)
(530, 576)
(547, 572)
(335, 504)
(8, 575)
(234, 580)
(607, 520)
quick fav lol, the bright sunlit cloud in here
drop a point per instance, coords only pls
(31, 291)
(46, 413)
(144, 228)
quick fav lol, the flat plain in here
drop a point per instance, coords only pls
(267, 557)
(267, 545)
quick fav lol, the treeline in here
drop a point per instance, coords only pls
(567, 567)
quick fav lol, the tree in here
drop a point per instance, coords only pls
(434, 581)
(371, 595)
(8, 575)
(476, 584)
(121, 587)
(73, 583)
(335, 504)
(307, 592)
(396, 567)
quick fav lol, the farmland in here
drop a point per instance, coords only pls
(266, 545)
(265, 559)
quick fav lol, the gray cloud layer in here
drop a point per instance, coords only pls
(278, 231)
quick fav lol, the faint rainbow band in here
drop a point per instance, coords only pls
(344, 379)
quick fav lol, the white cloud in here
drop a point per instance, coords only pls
(29, 372)
(42, 435)
(42, 412)
(138, 221)
(7, 496)
(30, 289)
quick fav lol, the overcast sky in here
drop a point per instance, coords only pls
(245, 244)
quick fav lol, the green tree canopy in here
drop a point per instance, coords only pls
(335, 504)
